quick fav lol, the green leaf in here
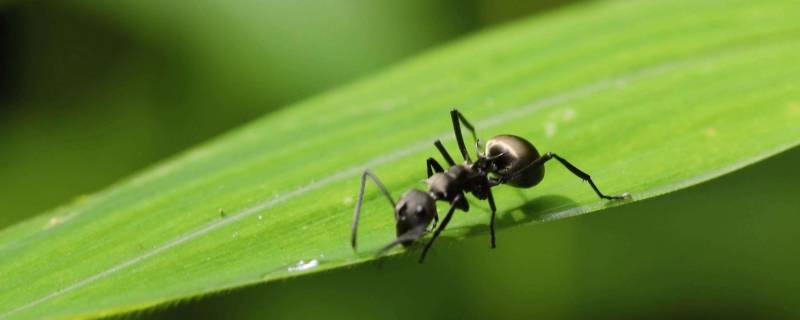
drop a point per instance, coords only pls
(647, 96)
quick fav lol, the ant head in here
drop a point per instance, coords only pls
(415, 209)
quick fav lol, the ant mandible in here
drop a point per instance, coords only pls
(508, 159)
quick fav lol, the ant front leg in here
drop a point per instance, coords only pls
(441, 227)
(409, 236)
(435, 222)
(434, 166)
(357, 212)
(459, 119)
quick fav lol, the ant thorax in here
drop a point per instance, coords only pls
(476, 180)
(458, 179)
(443, 186)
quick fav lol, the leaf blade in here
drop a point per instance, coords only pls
(159, 237)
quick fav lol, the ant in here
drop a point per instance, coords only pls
(508, 159)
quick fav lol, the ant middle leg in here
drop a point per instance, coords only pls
(583, 175)
(357, 212)
(459, 119)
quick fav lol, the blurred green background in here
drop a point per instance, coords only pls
(92, 91)
(106, 88)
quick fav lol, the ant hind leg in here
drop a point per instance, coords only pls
(585, 176)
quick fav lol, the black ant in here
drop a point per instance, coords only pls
(508, 159)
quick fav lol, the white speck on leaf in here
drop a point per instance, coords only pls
(347, 200)
(568, 114)
(53, 221)
(550, 129)
(302, 265)
(559, 116)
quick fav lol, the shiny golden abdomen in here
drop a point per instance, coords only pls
(514, 155)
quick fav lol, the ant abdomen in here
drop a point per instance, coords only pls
(512, 157)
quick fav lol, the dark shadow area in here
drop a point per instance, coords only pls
(532, 210)
(8, 41)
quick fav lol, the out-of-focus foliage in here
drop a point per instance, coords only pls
(107, 87)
